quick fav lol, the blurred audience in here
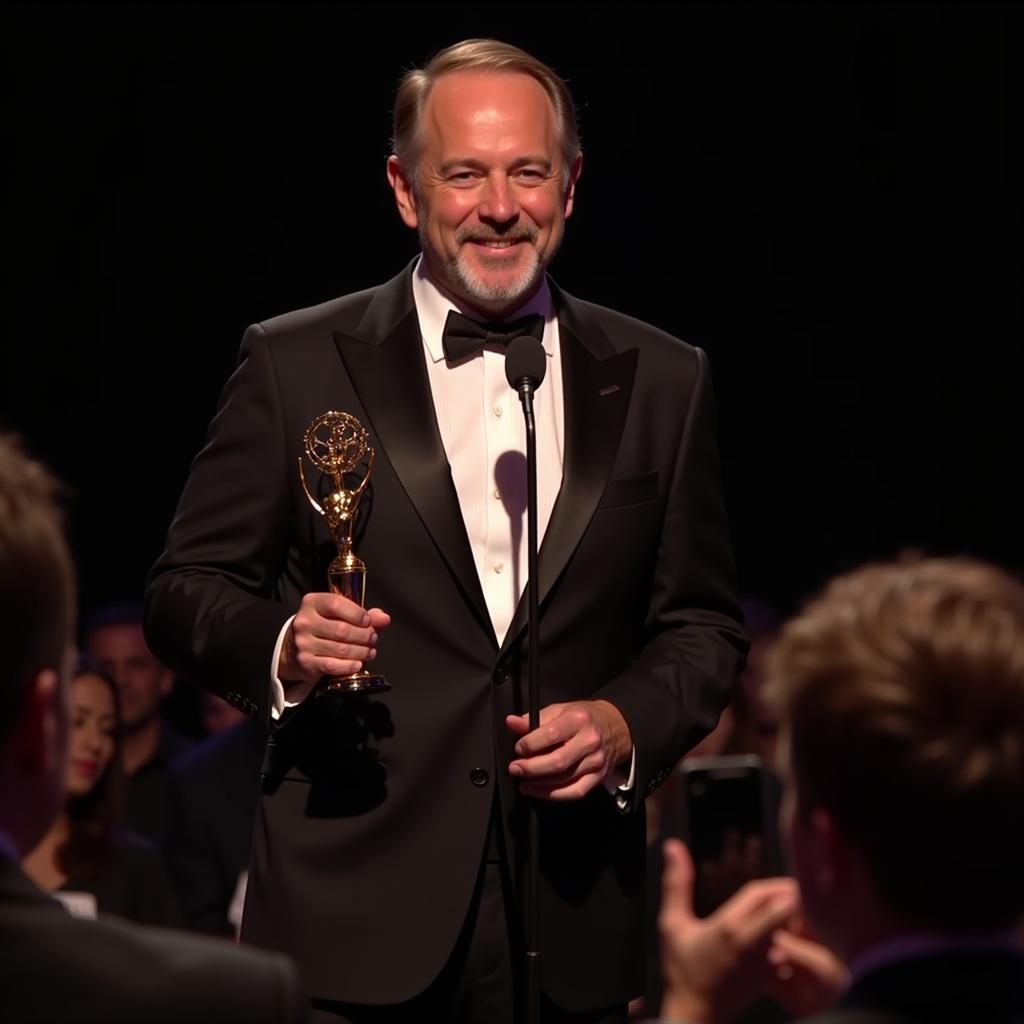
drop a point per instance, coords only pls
(113, 639)
(89, 862)
(55, 967)
(900, 694)
(214, 789)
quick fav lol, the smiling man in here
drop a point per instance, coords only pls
(389, 843)
(488, 184)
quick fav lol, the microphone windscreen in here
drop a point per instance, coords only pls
(525, 358)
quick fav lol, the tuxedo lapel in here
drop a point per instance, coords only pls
(597, 384)
(385, 363)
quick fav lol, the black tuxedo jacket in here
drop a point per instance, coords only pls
(375, 813)
(952, 988)
(56, 968)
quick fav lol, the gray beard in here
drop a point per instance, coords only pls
(460, 280)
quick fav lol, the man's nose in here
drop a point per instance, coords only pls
(498, 203)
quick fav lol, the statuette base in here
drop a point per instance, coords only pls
(359, 683)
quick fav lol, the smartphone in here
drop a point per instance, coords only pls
(730, 807)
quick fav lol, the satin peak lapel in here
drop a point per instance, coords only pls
(597, 392)
(390, 378)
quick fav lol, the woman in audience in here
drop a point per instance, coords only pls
(86, 860)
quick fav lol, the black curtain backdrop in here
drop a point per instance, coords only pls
(826, 198)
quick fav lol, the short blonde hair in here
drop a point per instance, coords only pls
(477, 55)
(902, 690)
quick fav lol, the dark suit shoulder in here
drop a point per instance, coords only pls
(341, 313)
(371, 311)
(627, 331)
(113, 972)
(666, 364)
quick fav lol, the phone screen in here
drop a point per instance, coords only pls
(729, 826)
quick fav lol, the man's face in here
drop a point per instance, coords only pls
(491, 193)
(142, 682)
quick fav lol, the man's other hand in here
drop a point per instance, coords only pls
(575, 747)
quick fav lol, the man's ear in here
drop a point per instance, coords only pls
(405, 194)
(40, 737)
(830, 852)
(570, 189)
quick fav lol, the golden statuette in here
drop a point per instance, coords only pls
(336, 443)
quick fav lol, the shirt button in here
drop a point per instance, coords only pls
(498, 410)
(498, 566)
(479, 777)
(497, 494)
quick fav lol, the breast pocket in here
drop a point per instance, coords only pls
(634, 490)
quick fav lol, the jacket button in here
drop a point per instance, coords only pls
(501, 676)
(479, 777)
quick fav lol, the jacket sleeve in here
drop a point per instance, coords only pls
(694, 645)
(212, 609)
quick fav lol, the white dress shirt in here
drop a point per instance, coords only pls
(483, 433)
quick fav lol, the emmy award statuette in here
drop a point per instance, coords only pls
(336, 443)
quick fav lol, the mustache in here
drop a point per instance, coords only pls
(521, 233)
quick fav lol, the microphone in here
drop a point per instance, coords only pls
(525, 365)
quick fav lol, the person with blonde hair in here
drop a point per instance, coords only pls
(900, 693)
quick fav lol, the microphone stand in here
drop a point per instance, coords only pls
(525, 364)
(533, 644)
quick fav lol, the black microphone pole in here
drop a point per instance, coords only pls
(525, 364)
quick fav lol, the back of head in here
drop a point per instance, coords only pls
(901, 689)
(37, 585)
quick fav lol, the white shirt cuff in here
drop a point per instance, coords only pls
(622, 791)
(297, 692)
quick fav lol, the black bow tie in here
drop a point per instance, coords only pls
(464, 337)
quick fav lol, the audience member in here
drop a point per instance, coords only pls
(87, 861)
(900, 694)
(746, 726)
(214, 789)
(113, 639)
(55, 967)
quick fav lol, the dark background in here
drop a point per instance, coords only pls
(826, 198)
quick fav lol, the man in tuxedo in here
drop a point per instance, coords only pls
(389, 840)
(57, 968)
(900, 692)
